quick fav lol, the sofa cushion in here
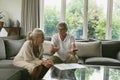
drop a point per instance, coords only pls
(2, 49)
(89, 49)
(10, 74)
(46, 46)
(14, 74)
(118, 56)
(110, 49)
(102, 61)
(7, 64)
(12, 47)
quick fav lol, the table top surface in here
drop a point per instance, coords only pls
(82, 72)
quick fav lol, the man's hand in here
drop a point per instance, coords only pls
(53, 49)
(48, 63)
(73, 51)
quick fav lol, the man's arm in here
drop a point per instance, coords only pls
(73, 49)
(53, 49)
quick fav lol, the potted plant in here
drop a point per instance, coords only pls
(1, 19)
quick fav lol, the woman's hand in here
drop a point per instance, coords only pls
(48, 63)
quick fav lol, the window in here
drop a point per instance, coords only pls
(97, 19)
(86, 18)
(74, 17)
(51, 16)
(116, 20)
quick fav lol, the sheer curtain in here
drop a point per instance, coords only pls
(29, 16)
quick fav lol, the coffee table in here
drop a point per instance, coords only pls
(84, 72)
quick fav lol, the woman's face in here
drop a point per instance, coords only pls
(40, 39)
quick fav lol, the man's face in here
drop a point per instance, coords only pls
(61, 30)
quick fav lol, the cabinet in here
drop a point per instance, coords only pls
(12, 31)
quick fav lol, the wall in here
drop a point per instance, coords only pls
(13, 8)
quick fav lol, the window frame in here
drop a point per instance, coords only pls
(109, 19)
(85, 25)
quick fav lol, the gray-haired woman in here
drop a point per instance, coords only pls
(30, 56)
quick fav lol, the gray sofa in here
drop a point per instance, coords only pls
(9, 47)
(95, 52)
(89, 52)
(99, 52)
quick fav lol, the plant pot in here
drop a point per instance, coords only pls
(1, 24)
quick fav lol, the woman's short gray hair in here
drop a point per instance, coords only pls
(34, 34)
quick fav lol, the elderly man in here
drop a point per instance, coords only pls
(63, 48)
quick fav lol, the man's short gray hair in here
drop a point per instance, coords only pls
(63, 24)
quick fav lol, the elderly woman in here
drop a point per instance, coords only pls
(31, 55)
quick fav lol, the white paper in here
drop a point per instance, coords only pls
(66, 66)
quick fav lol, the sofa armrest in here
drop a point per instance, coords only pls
(118, 55)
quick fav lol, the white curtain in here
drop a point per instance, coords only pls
(29, 16)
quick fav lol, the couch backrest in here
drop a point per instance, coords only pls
(12, 45)
(13, 37)
(105, 48)
(110, 48)
(2, 49)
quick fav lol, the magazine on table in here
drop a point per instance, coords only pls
(66, 66)
(65, 71)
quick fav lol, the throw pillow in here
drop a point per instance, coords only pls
(89, 49)
(13, 47)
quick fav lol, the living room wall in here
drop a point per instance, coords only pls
(13, 8)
